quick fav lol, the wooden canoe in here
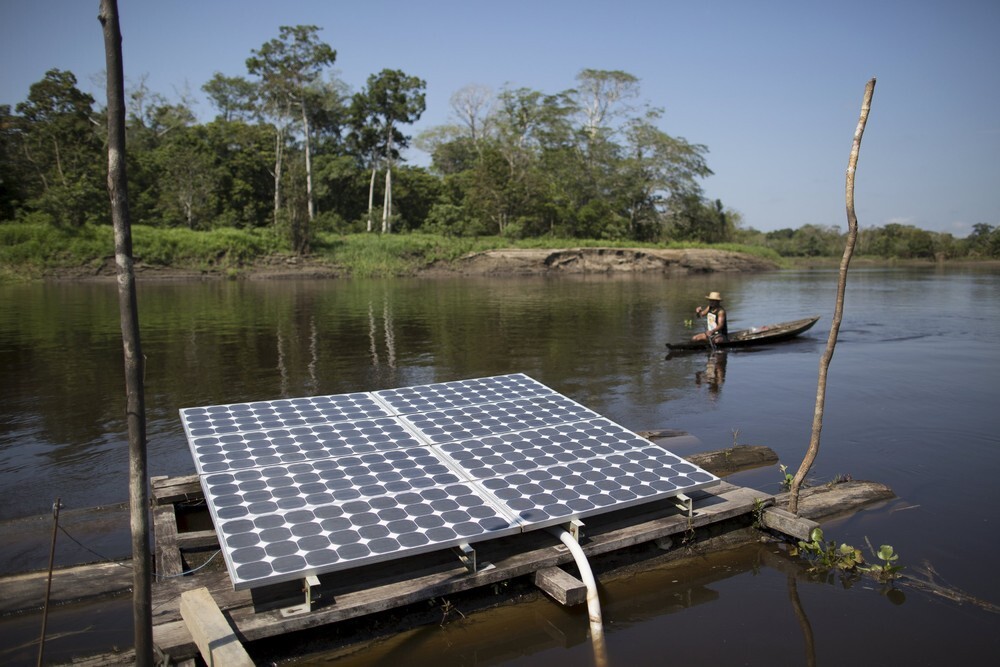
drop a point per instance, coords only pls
(771, 333)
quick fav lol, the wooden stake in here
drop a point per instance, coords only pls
(838, 314)
(135, 406)
(48, 583)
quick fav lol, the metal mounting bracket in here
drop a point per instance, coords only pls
(575, 529)
(310, 582)
(467, 555)
(685, 504)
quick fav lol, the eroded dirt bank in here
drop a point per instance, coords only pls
(504, 262)
(603, 260)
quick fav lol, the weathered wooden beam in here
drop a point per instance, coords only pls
(26, 592)
(168, 554)
(211, 632)
(198, 539)
(561, 586)
(787, 523)
(166, 490)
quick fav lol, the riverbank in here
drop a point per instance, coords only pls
(36, 252)
(499, 262)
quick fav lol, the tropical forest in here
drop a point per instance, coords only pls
(296, 164)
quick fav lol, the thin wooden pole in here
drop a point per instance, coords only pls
(838, 314)
(135, 408)
(48, 584)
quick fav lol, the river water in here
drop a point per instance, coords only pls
(912, 401)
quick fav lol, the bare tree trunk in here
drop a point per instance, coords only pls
(387, 204)
(371, 195)
(831, 343)
(135, 408)
(309, 176)
(278, 154)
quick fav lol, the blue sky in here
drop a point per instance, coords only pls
(773, 89)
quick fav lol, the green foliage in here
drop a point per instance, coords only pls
(786, 477)
(579, 167)
(373, 255)
(35, 247)
(887, 570)
(825, 556)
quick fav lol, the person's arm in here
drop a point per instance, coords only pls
(720, 321)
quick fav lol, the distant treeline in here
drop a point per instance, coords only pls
(293, 151)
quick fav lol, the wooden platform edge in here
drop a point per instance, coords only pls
(216, 640)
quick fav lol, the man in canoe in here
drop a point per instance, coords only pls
(716, 327)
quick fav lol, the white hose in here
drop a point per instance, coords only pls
(593, 601)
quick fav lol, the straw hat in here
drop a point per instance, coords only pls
(714, 296)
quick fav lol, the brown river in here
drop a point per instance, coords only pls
(912, 401)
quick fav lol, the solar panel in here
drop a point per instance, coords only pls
(461, 393)
(284, 413)
(305, 486)
(278, 522)
(441, 426)
(234, 451)
(548, 476)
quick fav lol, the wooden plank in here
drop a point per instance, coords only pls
(787, 523)
(198, 539)
(211, 632)
(168, 554)
(561, 586)
(26, 592)
(166, 490)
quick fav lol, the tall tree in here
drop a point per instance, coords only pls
(233, 96)
(391, 98)
(12, 187)
(61, 143)
(288, 67)
(473, 105)
(598, 95)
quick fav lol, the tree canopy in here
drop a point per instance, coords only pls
(293, 149)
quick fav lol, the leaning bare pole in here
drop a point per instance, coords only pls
(135, 406)
(831, 343)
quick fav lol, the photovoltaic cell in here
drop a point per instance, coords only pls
(311, 485)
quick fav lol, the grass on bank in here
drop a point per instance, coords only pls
(30, 251)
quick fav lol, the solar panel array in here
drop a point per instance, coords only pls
(304, 486)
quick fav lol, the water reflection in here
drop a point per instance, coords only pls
(714, 374)
(634, 608)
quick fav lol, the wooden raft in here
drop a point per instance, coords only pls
(256, 614)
